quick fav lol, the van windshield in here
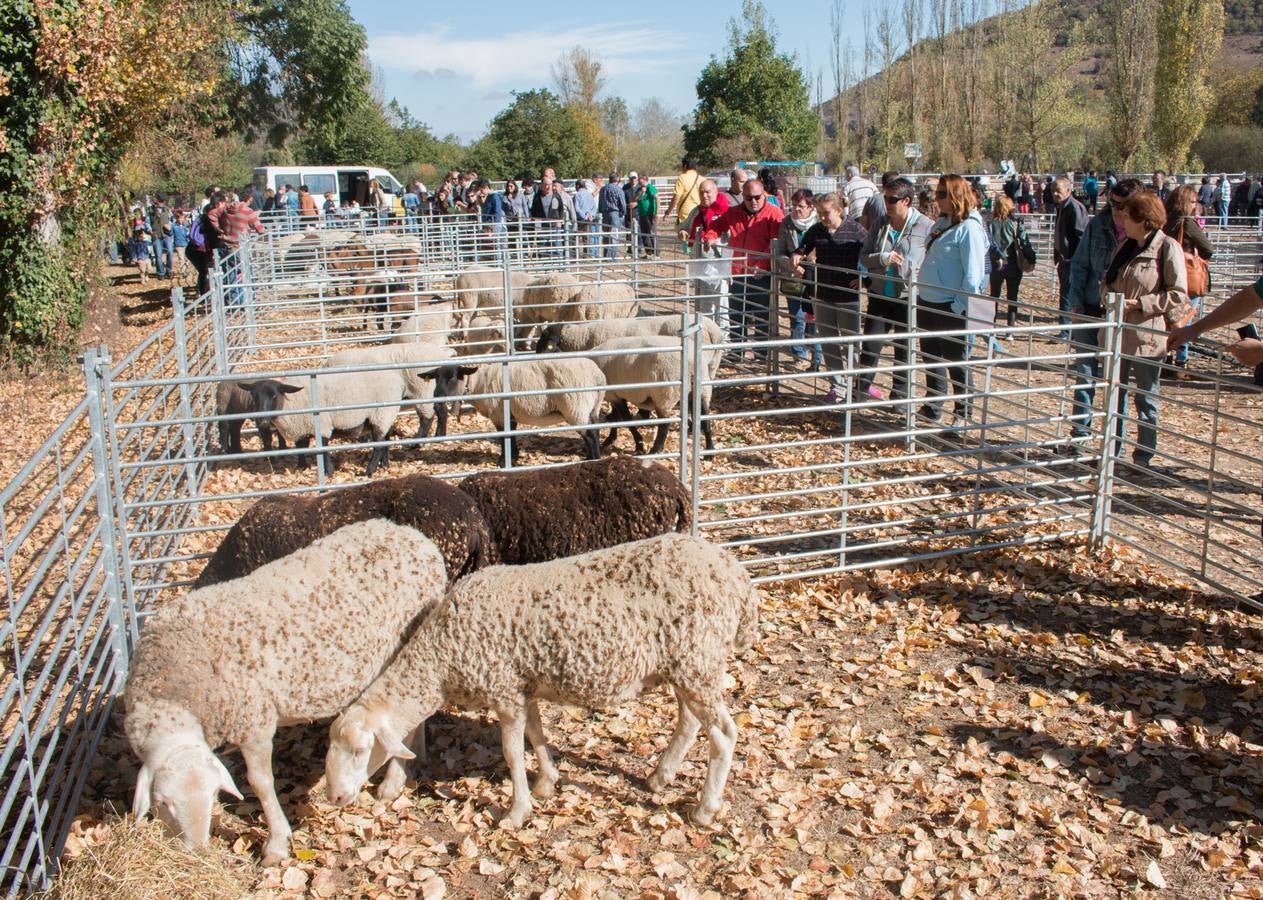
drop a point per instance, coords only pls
(388, 183)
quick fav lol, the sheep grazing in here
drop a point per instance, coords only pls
(295, 641)
(561, 297)
(579, 337)
(280, 525)
(592, 630)
(646, 372)
(356, 391)
(607, 502)
(418, 357)
(579, 384)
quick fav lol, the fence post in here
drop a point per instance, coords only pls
(773, 327)
(910, 384)
(122, 612)
(1103, 504)
(634, 232)
(186, 406)
(695, 475)
(219, 319)
(245, 276)
(506, 384)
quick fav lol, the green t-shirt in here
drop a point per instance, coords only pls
(647, 205)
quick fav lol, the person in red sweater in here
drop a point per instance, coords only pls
(751, 228)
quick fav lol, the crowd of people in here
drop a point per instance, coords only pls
(843, 260)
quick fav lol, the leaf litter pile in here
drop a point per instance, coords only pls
(1014, 722)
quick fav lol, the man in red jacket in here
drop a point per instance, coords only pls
(751, 229)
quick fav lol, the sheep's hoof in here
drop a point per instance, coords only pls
(390, 789)
(275, 851)
(702, 817)
(544, 788)
(515, 819)
(659, 782)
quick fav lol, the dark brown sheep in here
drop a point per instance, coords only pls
(277, 526)
(546, 514)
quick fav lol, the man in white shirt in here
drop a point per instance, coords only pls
(858, 190)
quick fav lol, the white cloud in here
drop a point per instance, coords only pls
(521, 58)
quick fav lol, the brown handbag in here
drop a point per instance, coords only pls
(1198, 271)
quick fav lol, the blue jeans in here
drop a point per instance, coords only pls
(589, 238)
(802, 326)
(613, 223)
(163, 250)
(1181, 352)
(748, 309)
(1063, 291)
(1146, 374)
(1222, 209)
(1087, 373)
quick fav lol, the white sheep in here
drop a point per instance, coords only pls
(576, 388)
(561, 297)
(646, 372)
(296, 640)
(483, 335)
(592, 630)
(429, 324)
(369, 399)
(579, 337)
(418, 357)
(484, 290)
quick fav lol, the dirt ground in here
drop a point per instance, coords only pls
(1024, 722)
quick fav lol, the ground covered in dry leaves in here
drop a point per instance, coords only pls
(1033, 723)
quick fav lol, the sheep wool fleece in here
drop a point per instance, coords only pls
(294, 641)
(593, 630)
(605, 502)
(277, 526)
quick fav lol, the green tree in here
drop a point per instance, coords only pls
(1128, 28)
(754, 94)
(535, 131)
(299, 70)
(1190, 33)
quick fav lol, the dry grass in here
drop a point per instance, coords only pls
(126, 860)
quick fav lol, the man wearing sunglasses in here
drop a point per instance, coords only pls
(892, 252)
(751, 228)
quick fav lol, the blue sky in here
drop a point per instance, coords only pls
(456, 71)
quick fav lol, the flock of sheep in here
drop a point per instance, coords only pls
(629, 360)
(380, 603)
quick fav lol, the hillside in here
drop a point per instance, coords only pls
(1242, 48)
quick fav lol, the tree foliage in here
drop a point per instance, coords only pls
(1190, 33)
(755, 94)
(80, 80)
(535, 131)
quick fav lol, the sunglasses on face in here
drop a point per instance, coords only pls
(891, 201)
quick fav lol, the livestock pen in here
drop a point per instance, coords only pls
(130, 494)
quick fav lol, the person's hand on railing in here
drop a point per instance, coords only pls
(1249, 352)
(1181, 336)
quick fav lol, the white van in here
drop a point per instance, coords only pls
(346, 182)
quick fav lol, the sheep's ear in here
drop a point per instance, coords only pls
(141, 799)
(466, 371)
(289, 388)
(428, 374)
(226, 783)
(248, 386)
(393, 746)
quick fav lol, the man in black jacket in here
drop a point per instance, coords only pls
(1071, 221)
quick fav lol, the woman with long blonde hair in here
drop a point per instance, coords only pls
(955, 267)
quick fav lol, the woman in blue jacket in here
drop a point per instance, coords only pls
(955, 266)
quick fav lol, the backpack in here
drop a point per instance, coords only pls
(197, 239)
(1025, 254)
